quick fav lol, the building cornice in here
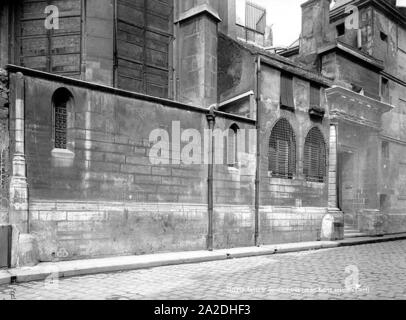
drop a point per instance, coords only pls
(198, 10)
(366, 58)
(384, 6)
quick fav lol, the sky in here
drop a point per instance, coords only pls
(286, 18)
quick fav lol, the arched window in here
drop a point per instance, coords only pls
(314, 163)
(60, 100)
(282, 150)
(232, 149)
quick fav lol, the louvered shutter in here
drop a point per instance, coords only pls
(282, 150)
(286, 98)
(314, 96)
(314, 165)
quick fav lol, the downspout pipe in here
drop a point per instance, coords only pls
(211, 118)
(258, 149)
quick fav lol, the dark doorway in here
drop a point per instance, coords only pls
(347, 187)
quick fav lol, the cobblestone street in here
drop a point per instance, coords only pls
(305, 275)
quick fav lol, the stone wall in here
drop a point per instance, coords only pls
(108, 198)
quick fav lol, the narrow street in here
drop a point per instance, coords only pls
(378, 270)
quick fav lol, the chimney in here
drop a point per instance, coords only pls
(268, 37)
(315, 26)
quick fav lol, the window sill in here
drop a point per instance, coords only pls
(233, 169)
(317, 112)
(276, 176)
(288, 108)
(62, 154)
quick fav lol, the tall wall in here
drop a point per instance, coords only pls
(104, 196)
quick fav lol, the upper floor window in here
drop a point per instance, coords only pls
(286, 99)
(340, 29)
(282, 150)
(232, 147)
(385, 150)
(251, 16)
(384, 36)
(385, 89)
(314, 163)
(314, 96)
(60, 100)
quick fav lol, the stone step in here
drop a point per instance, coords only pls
(353, 232)
(354, 235)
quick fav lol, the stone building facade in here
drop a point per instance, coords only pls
(84, 106)
(361, 47)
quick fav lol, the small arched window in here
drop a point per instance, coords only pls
(282, 150)
(232, 149)
(60, 100)
(314, 163)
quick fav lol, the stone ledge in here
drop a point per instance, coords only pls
(202, 9)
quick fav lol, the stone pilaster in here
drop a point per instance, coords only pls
(198, 28)
(333, 223)
(18, 180)
(332, 170)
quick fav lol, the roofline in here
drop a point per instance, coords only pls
(383, 5)
(279, 62)
(366, 58)
(123, 93)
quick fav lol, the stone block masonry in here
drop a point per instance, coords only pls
(68, 230)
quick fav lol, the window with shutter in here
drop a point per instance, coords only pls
(287, 101)
(314, 96)
(282, 150)
(314, 165)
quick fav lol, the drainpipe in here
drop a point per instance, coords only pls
(115, 50)
(258, 158)
(211, 118)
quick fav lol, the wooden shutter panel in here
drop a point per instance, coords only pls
(144, 34)
(287, 101)
(314, 96)
(282, 150)
(314, 166)
(56, 50)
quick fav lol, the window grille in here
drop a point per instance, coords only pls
(61, 99)
(314, 166)
(60, 126)
(282, 150)
(232, 142)
(287, 101)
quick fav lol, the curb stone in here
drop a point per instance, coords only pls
(117, 264)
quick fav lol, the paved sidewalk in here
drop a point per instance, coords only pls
(115, 264)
